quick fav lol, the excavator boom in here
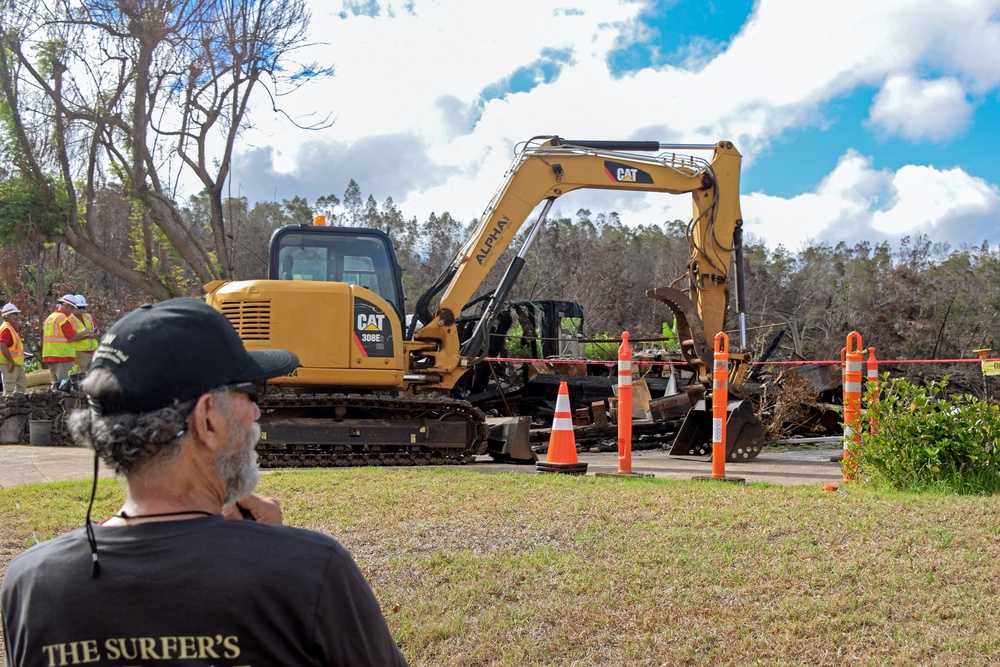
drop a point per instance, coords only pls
(549, 167)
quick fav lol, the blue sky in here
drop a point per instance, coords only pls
(857, 120)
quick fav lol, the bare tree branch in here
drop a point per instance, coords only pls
(118, 91)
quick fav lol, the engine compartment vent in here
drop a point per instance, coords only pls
(251, 319)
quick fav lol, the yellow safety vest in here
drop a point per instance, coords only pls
(54, 344)
(87, 344)
(17, 349)
(80, 324)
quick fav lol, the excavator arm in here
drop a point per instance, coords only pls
(549, 167)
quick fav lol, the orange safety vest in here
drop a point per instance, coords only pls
(17, 349)
(54, 344)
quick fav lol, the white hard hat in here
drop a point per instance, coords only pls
(9, 309)
(80, 301)
(68, 298)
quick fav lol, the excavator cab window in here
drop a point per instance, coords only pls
(352, 255)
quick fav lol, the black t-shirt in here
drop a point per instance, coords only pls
(199, 593)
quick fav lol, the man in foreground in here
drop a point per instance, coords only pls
(167, 580)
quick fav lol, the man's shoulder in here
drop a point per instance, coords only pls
(58, 548)
(287, 548)
(291, 536)
(216, 532)
(245, 541)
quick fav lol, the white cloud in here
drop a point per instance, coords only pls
(928, 199)
(921, 110)
(856, 202)
(391, 70)
(410, 77)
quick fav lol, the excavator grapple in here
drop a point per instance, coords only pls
(744, 431)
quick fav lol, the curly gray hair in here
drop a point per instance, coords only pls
(127, 441)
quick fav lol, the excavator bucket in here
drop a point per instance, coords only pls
(509, 440)
(744, 433)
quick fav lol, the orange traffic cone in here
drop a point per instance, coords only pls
(561, 456)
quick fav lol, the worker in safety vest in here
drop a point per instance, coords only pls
(12, 349)
(59, 338)
(84, 321)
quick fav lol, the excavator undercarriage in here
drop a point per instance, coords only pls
(315, 429)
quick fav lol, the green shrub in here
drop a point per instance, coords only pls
(602, 350)
(517, 346)
(925, 440)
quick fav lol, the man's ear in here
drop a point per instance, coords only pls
(207, 421)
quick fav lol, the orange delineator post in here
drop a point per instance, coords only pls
(624, 406)
(872, 366)
(720, 401)
(852, 401)
(720, 411)
(624, 414)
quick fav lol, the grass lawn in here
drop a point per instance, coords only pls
(514, 570)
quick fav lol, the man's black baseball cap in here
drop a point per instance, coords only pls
(174, 351)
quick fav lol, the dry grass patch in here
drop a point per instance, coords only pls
(514, 570)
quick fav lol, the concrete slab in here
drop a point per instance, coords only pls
(25, 464)
(803, 465)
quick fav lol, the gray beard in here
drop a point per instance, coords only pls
(238, 465)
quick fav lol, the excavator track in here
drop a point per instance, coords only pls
(305, 429)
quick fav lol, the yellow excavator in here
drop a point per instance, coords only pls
(371, 390)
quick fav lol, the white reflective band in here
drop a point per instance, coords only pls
(854, 387)
(562, 424)
(625, 380)
(624, 366)
(720, 384)
(872, 373)
(716, 430)
(854, 366)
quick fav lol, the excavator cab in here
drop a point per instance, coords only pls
(334, 296)
(351, 255)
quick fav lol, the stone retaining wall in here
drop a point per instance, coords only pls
(16, 410)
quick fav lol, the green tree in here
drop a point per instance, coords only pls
(297, 211)
(102, 92)
(353, 210)
(326, 206)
